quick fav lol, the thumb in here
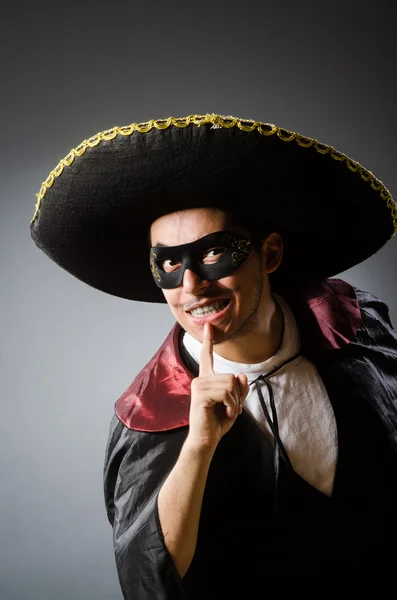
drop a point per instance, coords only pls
(243, 384)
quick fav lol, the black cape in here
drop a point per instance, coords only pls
(252, 533)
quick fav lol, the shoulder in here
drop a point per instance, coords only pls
(327, 313)
(159, 397)
(373, 307)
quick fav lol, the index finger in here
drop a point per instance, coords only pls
(206, 366)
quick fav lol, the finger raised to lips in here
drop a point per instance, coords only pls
(206, 366)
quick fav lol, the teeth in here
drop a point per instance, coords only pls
(208, 309)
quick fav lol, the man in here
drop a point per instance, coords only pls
(261, 439)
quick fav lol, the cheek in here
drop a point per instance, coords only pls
(229, 283)
(172, 298)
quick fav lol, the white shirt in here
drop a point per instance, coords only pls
(306, 420)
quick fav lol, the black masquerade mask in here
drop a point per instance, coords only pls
(213, 256)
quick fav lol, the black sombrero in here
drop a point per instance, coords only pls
(95, 208)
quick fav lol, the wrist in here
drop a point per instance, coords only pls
(198, 450)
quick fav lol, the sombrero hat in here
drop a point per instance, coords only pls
(94, 210)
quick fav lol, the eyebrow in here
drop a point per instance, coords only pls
(161, 244)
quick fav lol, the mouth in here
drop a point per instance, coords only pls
(210, 312)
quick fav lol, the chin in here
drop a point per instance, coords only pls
(221, 336)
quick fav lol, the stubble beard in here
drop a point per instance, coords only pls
(251, 322)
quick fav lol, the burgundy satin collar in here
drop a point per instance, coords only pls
(159, 397)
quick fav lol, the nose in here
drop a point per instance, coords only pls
(192, 283)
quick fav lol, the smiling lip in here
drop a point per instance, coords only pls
(212, 317)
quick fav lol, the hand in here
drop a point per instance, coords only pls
(216, 400)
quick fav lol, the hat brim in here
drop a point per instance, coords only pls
(95, 209)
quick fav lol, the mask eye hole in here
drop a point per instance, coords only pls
(169, 265)
(213, 255)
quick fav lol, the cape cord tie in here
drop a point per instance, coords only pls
(273, 423)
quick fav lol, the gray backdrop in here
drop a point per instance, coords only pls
(68, 351)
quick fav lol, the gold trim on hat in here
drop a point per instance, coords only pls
(225, 122)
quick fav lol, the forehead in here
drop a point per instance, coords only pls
(183, 227)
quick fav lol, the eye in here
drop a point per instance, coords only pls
(212, 256)
(169, 265)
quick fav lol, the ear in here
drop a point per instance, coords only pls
(272, 252)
